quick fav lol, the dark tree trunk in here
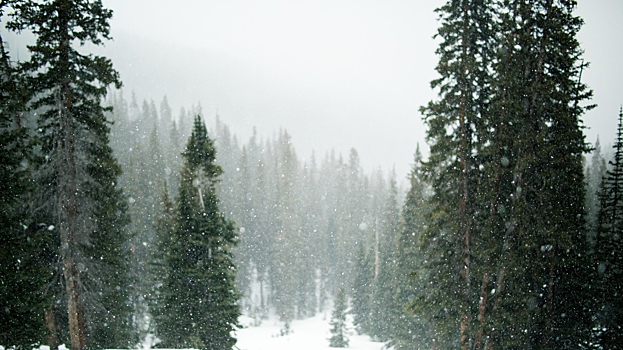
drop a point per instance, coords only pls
(50, 326)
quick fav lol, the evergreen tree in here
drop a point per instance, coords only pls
(165, 227)
(608, 252)
(536, 185)
(121, 131)
(353, 206)
(381, 300)
(199, 280)
(245, 219)
(362, 291)
(308, 198)
(175, 156)
(409, 330)
(272, 197)
(339, 338)
(287, 238)
(505, 242)
(166, 118)
(145, 173)
(456, 123)
(261, 233)
(383, 310)
(78, 177)
(23, 274)
(595, 172)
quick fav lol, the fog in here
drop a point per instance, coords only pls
(335, 74)
(600, 37)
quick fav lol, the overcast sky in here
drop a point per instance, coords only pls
(336, 74)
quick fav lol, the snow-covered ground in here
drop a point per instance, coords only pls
(309, 334)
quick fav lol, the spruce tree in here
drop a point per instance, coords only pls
(79, 190)
(287, 236)
(339, 338)
(362, 291)
(23, 272)
(608, 252)
(308, 241)
(148, 175)
(165, 228)
(537, 188)
(505, 241)
(595, 172)
(382, 301)
(198, 291)
(455, 124)
(409, 330)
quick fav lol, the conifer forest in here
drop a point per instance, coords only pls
(130, 222)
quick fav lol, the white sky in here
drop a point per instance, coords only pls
(336, 74)
(602, 41)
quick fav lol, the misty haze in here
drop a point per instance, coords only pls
(311, 174)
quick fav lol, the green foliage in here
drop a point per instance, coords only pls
(298, 220)
(197, 299)
(110, 316)
(505, 243)
(75, 170)
(408, 330)
(362, 291)
(381, 302)
(383, 309)
(287, 238)
(608, 262)
(537, 151)
(23, 274)
(339, 338)
(456, 123)
(138, 141)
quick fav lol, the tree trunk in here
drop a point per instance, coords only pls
(484, 295)
(550, 298)
(75, 308)
(50, 326)
(500, 284)
(67, 214)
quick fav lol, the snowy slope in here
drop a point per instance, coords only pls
(309, 334)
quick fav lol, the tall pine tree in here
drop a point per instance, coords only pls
(339, 338)
(609, 252)
(456, 123)
(23, 274)
(362, 291)
(410, 330)
(505, 241)
(78, 172)
(536, 187)
(198, 294)
(382, 302)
